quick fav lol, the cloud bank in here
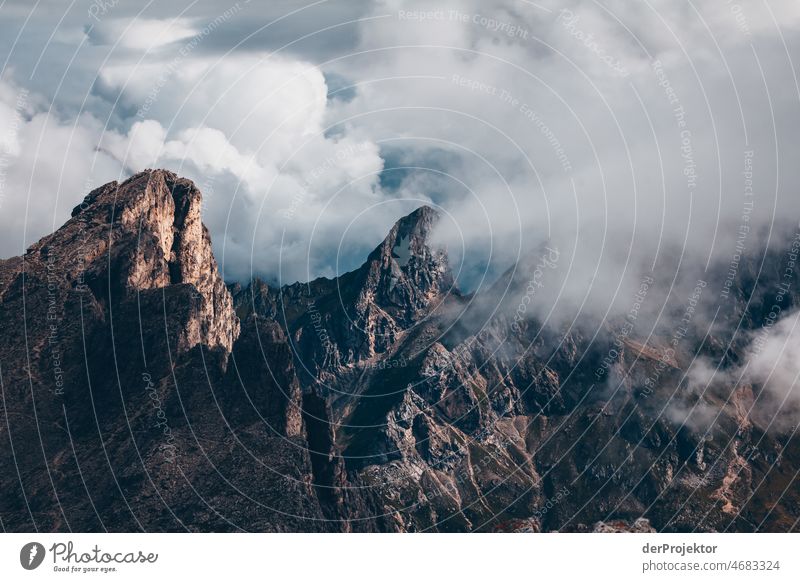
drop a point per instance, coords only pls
(630, 138)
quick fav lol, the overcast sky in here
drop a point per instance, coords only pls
(619, 132)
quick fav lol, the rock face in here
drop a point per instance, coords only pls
(139, 393)
(155, 238)
(127, 385)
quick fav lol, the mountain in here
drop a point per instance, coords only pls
(142, 393)
(121, 409)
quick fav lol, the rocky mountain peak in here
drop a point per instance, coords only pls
(361, 314)
(409, 238)
(407, 273)
(143, 234)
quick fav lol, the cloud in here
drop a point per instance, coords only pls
(141, 147)
(141, 34)
(525, 124)
(45, 160)
(770, 363)
(551, 142)
(252, 128)
(773, 363)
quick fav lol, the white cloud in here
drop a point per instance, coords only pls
(252, 127)
(141, 34)
(771, 363)
(47, 163)
(263, 104)
(142, 147)
(510, 107)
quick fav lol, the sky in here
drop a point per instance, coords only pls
(632, 137)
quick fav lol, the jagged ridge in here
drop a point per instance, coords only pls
(344, 404)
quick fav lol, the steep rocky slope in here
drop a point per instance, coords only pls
(141, 393)
(461, 415)
(121, 410)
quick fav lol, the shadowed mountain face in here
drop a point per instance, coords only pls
(141, 393)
